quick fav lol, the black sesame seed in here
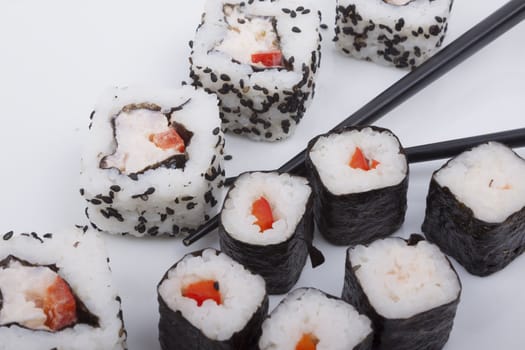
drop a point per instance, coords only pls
(216, 131)
(216, 285)
(8, 235)
(228, 157)
(81, 191)
(305, 12)
(296, 29)
(324, 26)
(95, 201)
(225, 77)
(213, 77)
(285, 10)
(48, 235)
(115, 188)
(191, 205)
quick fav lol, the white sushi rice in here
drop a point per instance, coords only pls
(335, 323)
(331, 156)
(159, 198)
(241, 291)
(401, 281)
(489, 179)
(263, 104)
(287, 196)
(82, 263)
(400, 33)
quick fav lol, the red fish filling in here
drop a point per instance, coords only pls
(168, 139)
(262, 211)
(268, 59)
(359, 161)
(202, 291)
(307, 342)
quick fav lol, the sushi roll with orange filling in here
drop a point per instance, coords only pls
(260, 58)
(476, 208)
(308, 319)
(208, 301)
(360, 177)
(56, 293)
(409, 290)
(266, 224)
(152, 161)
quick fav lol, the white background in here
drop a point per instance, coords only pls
(56, 57)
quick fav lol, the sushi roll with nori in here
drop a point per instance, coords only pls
(56, 292)
(152, 162)
(308, 319)
(360, 177)
(260, 58)
(400, 33)
(266, 224)
(476, 208)
(208, 301)
(409, 290)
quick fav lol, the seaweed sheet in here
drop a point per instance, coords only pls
(279, 264)
(481, 247)
(427, 330)
(357, 218)
(177, 333)
(365, 344)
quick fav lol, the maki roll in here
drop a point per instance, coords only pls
(260, 58)
(266, 224)
(56, 292)
(360, 177)
(152, 163)
(476, 208)
(409, 290)
(208, 301)
(400, 33)
(308, 319)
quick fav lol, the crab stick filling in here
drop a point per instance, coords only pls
(143, 138)
(251, 39)
(203, 290)
(307, 342)
(36, 297)
(262, 211)
(359, 161)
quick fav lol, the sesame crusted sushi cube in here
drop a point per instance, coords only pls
(400, 33)
(56, 292)
(476, 208)
(152, 163)
(260, 58)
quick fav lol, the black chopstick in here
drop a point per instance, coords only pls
(433, 151)
(456, 52)
(447, 149)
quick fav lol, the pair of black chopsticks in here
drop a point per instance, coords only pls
(459, 50)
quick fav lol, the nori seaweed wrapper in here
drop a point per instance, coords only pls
(481, 247)
(279, 264)
(357, 218)
(177, 333)
(365, 344)
(427, 330)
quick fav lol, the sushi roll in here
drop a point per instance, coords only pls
(476, 208)
(56, 292)
(408, 289)
(152, 161)
(260, 58)
(266, 224)
(308, 319)
(208, 301)
(360, 177)
(400, 33)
